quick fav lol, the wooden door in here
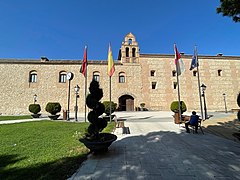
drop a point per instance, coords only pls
(129, 105)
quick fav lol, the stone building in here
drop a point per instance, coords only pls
(138, 78)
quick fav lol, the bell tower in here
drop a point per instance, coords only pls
(129, 52)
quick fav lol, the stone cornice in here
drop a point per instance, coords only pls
(104, 62)
(55, 62)
(189, 56)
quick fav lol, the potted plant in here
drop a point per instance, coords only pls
(35, 109)
(93, 139)
(107, 109)
(238, 102)
(175, 108)
(142, 105)
(53, 108)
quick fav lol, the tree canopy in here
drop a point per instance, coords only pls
(230, 8)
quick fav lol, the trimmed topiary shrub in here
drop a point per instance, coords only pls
(97, 124)
(142, 105)
(238, 102)
(53, 108)
(238, 99)
(175, 108)
(94, 140)
(107, 107)
(34, 108)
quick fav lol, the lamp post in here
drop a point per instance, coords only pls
(225, 104)
(34, 98)
(76, 88)
(203, 86)
(69, 78)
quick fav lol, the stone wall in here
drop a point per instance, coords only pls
(161, 97)
(17, 93)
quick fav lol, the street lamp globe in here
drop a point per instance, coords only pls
(204, 87)
(225, 103)
(76, 88)
(34, 98)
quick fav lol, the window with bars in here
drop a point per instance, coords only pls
(122, 77)
(62, 77)
(33, 77)
(96, 76)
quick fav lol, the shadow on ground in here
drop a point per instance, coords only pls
(51, 170)
(229, 130)
(165, 155)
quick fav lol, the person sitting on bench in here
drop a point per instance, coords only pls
(193, 122)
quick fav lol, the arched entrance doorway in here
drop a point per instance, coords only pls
(126, 103)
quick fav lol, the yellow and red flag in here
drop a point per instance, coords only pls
(111, 67)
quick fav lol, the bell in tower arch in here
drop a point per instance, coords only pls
(129, 52)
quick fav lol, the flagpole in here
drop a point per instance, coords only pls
(178, 70)
(199, 88)
(179, 103)
(110, 97)
(85, 112)
(199, 91)
(85, 109)
(111, 70)
(83, 70)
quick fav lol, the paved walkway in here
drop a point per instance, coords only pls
(156, 148)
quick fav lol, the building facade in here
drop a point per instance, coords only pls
(138, 78)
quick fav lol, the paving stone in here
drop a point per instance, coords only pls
(162, 150)
(118, 176)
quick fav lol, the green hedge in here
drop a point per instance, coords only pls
(53, 107)
(34, 108)
(107, 107)
(238, 102)
(175, 107)
(238, 99)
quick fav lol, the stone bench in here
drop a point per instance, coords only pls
(119, 122)
(235, 110)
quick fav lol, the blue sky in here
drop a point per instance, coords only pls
(59, 29)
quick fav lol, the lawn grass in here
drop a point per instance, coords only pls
(4, 118)
(42, 149)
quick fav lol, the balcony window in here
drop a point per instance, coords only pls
(96, 76)
(62, 77)
(33, 77)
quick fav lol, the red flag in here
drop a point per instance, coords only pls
(83, 68)
(177, 54)
(180, 68)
